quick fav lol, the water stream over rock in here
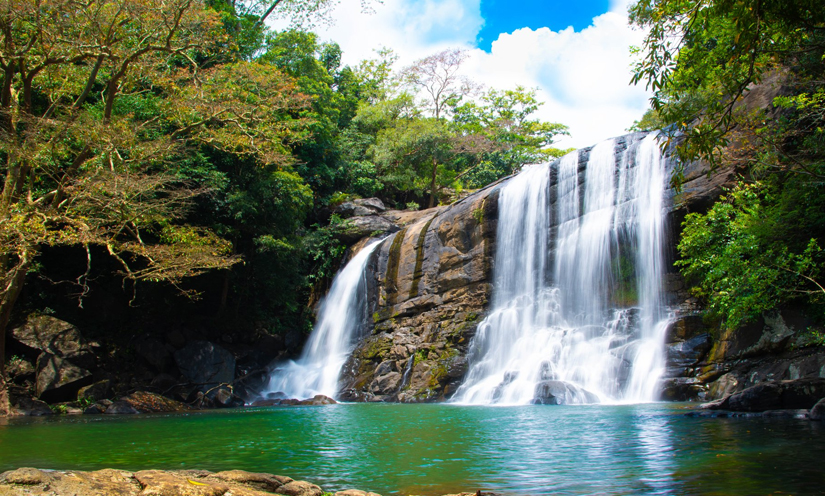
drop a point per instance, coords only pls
(577, 313)
(341, 315)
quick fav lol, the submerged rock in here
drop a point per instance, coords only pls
(562, 393)
(818, 411)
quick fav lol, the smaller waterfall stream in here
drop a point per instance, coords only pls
(340, 317)
(577, 313)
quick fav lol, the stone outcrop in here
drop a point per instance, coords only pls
(62, 358)
(58, 379)
(706, 363)
(109, 482)
(151, 483)
(429, 286)
(360, 207)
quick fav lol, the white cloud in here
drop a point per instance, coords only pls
(582, 76)
(413, 28)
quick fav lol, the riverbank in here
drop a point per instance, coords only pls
(25, 481)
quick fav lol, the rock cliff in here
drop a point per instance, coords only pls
(430, 283)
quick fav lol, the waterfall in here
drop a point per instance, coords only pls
(341, 315)
(577, 314)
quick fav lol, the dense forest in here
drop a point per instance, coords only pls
(148, 142)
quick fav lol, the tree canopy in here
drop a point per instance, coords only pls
(760, 246)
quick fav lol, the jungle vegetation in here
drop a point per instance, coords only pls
(159, 140)
(761, 246)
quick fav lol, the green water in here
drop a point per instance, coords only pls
(436, 449)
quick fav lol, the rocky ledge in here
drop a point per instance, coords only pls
(27, 481)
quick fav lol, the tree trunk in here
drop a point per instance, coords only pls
(14, 279)
(432, 184)
(5, 406)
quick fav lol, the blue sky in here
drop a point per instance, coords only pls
(505, 16)
(575, 53)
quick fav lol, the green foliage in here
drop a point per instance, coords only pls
(511, 138)
(650, 121)
(748, 255)
(324, 250)
(699, 57)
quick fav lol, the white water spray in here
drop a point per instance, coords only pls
(579, 319)
(340, 317)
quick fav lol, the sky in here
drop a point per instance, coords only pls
(575, 53)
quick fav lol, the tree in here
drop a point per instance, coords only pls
(701, 57)
(504, 120)
(99, 107)
(438, 78)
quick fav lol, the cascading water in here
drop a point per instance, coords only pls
(340, 317)
(577, 313)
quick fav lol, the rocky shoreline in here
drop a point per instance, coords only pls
(106, 482)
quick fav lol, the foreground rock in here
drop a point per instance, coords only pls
(109, 482)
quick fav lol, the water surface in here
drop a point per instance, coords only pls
(437, 449)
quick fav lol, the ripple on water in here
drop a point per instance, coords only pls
(437, 449)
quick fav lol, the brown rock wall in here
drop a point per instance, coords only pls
(429, 286)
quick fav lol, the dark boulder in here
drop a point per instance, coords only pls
(681, 389)
(688, 353)
(155, 353)
(121, 408)
(58, 379)
(561, 393)
(30, 407)
(223, 398)
(205, 364)
(97, 391)
(56, 337)
(777, 395)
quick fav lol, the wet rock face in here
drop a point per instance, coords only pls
(776, 395)
(429, 286)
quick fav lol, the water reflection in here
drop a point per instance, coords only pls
(441, 449)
